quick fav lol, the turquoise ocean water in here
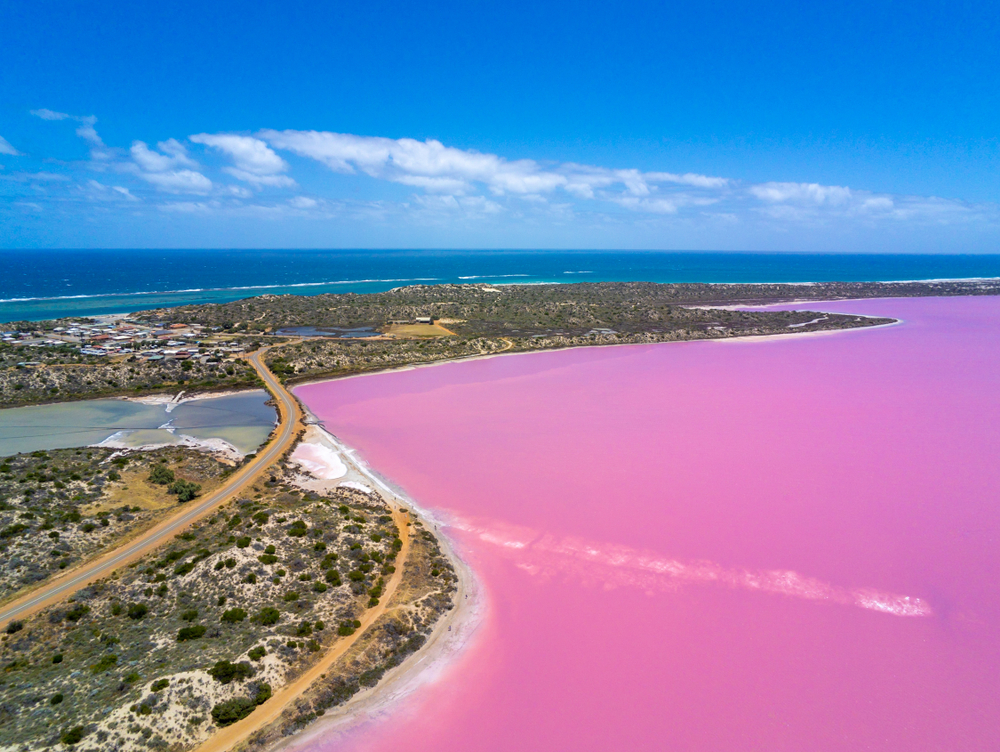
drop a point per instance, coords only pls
(43, 284)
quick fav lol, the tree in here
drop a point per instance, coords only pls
(161, 475)
(185, 489)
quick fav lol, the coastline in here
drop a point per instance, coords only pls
(743, 338)
(451, 636)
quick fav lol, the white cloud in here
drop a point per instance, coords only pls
(254, 161)
(49, 114)
(802, 193)
(86, 131)
(173, 157)
(179, 181)
(169, 168)
(447, 170)
(303, 202)
(6, 148)
(108, 192)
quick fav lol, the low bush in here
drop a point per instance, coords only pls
(257, 653)
(185, 490)
(161, 475)
(73, 736)
(159, 684)
(234, 615)
(191, 633)
(268, 616)
(137, 610)
(77, 612)
(225, 672)
(106, 663)
(231, 711)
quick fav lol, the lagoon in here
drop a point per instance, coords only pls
(242, 420)
(780, 544)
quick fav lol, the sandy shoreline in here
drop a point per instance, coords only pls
(451, 635)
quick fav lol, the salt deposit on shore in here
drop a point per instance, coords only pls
(319, 460)
(219, 447)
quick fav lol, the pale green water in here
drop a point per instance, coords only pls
(241, 419)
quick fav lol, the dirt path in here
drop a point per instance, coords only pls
(228, 737)
(60, 588)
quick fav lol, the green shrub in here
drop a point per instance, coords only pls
(305, 629)
(73, 736)
(270, 550)
(290, 596)
(263, 693)
(191, 633)
(106, 663)
(57, 658)
(231, 711)
(298, 529)
(225, 672)
(14, 626)
(161, 475)
(182, 569)
(137, 610)
(333, 577)
(56, 698)
(257, 653)
(348, 627)
(190, 614)
(268, 616)
(184, 489)
(77, 612)
(320, 587)
(250, 579)
(114, 475)
(356, 576)
(116, 609)
(243, 542)
(234, 615)
(159, 684)
(267, 558)
(260, 518)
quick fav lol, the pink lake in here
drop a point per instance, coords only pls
(786, 544)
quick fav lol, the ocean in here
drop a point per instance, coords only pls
(42, 284)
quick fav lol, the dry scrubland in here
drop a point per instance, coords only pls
(60, 506)
(199, 633)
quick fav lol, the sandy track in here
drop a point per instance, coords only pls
(228, 737)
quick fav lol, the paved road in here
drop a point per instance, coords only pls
(60, 588)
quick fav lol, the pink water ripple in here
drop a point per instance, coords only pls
(762, 545)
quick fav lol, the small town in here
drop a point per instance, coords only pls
(119, 338)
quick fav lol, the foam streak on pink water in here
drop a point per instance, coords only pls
(770, 545)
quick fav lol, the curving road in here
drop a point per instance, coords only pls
(60, 588)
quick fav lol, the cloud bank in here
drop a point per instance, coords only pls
(297, 175)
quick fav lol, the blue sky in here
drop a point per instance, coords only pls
(778, 126)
